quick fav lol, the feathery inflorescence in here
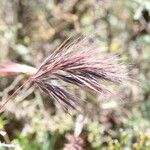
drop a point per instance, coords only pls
(75, 63)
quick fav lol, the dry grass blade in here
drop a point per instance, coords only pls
(11, 69)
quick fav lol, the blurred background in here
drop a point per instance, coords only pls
(30, 29)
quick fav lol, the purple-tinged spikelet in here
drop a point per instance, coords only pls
(75, 63)
(78, 63)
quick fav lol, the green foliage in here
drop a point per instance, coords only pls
(94, 136)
